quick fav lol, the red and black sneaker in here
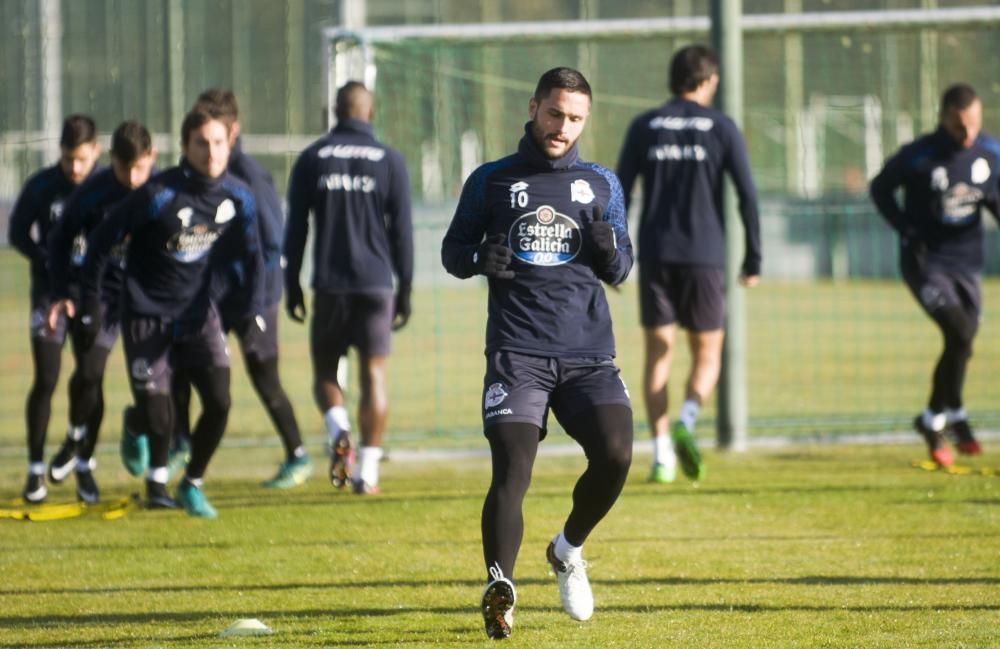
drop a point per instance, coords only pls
(939, 452)
(341, 460)
(965, 441)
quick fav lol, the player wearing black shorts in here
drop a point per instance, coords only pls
(546, 228)
(947, 177)
(681, 151)
(358, 191)
(38, 208)
(258, 340)
(181, 226)
(132, 160)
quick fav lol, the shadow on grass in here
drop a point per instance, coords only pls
(806, 580)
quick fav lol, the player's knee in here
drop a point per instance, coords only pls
(158, 412)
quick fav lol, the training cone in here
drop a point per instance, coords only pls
(247, 626)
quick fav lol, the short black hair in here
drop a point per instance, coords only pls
(354, 101)
(690, 67)
(220, 103)
(562, 78)
(958, 96)
(77, 130)
(130, 141)
(195, 120)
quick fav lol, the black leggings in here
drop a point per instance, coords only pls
(47, 357)
(605, 433)
(86, 394)
(958, 328)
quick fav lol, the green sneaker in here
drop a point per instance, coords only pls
(134, 449)
(178, 458)
(192, 499)
(687, 452)
(662, 473)
(291, 474)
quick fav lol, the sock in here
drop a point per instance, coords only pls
(77, 433)
(85, 466)
(934, 420)
(689, 414)
(299, 452)
(158, 474)
(198, 482)
(36, 468)
(336, 420)
(368, 458)
(565, 552)
(953, 415)
(663, 451)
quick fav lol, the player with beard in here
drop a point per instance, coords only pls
(546, 228)
(38, 209)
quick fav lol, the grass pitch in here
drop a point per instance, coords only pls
(805, 547)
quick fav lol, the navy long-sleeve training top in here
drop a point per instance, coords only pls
(555, 305)
(270, 229)
(944, 188)
(359, 192)
(84, 211)
(40, 205)
(681, 150)
(182, 226)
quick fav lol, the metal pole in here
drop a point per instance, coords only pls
(175, 73)
(51, 27)
(732, 423)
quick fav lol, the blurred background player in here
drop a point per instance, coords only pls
(358, 190)
(554, 228)
(132, 160)
(947, 177)
(681, 151)
(37, 210)
(181, 225)
(260, 350)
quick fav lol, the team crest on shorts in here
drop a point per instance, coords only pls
(495, 394)
(545, 237)
(141, 370)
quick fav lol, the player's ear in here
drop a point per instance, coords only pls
(532, 107)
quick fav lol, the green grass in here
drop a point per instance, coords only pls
(811, 547)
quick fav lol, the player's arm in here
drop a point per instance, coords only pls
(630, 161)
(607, 234)
(738, 164)
(269, 219)
(60, 250)
(464, 253)
(883, 193)
(301, 186)
(25, 213)
(400, 231)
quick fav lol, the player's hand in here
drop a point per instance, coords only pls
(601, 238)
(492, 258)
(88, 322)
(403, 309)
(295, 302)
(56, 310)
(749, 281)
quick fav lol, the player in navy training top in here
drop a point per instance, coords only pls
(258, 340)
(132, 160)
(358, 191)
(546, 228)
(182, 225)
(946, 178)
(38, 209)
(681, 151)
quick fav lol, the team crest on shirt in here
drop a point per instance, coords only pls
(495, 394)
(980, 171)
(939, 179)
(545, 237)
(225, 212)
(56, 210)
(580, 192)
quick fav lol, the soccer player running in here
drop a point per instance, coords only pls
(546, 228)
(258, 340)
(38, 208)
(358, 191)
(946, 178)
(132, 160)
(180, 226)
(681, 151)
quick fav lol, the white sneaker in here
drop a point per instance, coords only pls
(498, 605)
(574, 587)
